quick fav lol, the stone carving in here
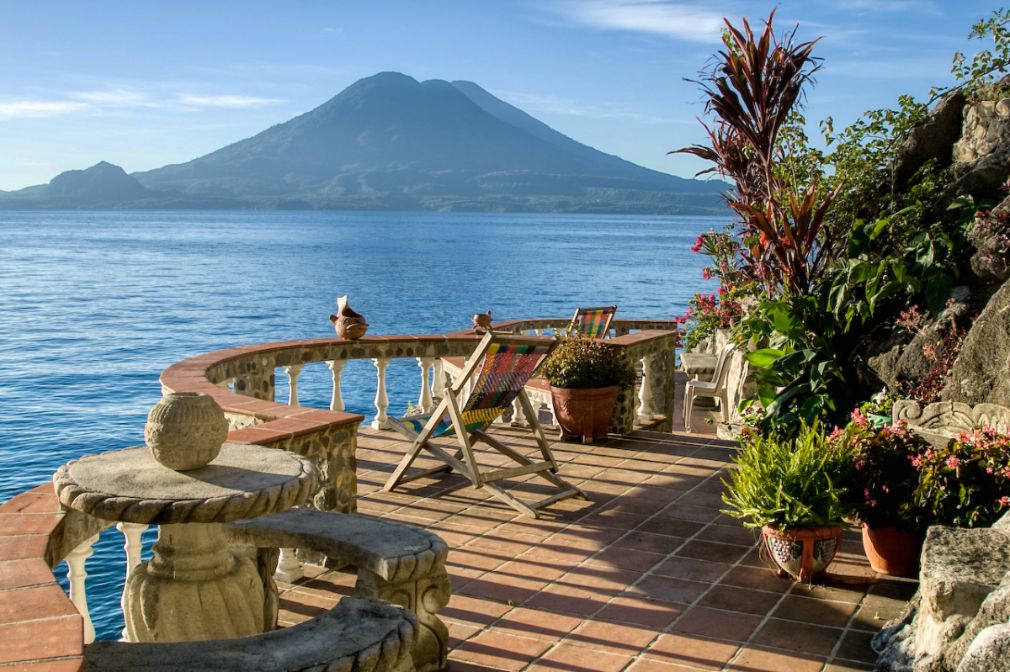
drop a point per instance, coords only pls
(943, 420)
(185, 430)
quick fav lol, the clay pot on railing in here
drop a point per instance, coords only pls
(348, 323)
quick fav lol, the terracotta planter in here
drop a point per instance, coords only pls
(893, 552)
(801, 552)
(584, 414)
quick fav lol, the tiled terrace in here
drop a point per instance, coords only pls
(646, 576)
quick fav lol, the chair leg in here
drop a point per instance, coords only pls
(688, 407)
(397, 476)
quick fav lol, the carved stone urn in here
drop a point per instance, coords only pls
(185, 430)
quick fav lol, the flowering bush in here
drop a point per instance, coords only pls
(586, 363)
(724, 249)
(967, 483)
(879, 404)
(884, 475)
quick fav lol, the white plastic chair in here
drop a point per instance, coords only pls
(715, 389)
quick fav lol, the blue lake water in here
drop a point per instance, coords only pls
(94, 305)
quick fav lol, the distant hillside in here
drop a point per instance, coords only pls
(391, 142)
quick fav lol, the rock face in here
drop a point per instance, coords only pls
(959, 619)
(986, 125)
(905, 363)
(932, 140)
(981, 373)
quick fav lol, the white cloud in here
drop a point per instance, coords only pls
(658, 17)
(113, 97)
(887, 6)
(226, 101)
(39, 108)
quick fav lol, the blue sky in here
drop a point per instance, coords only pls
(142, 84)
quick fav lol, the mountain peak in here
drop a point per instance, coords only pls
(391, 142)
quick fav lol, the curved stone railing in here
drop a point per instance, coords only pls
(242, 380)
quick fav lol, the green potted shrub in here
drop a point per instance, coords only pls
(881, 491)
(966, 483)
(586, 376)
(792, 489)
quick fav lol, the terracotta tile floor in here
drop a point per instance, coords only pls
(645, 576)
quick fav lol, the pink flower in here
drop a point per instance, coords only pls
(706, 273)
(836, 433)
(953, 462)
(859, 418)
(916, 461)
(698, 243)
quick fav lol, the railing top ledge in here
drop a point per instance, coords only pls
(47, 627)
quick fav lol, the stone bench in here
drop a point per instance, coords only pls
(395, 562)
(358, 635)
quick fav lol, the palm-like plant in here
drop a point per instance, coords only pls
(752, 91)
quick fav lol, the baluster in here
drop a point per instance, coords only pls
(78, 575)
(337, 399)
(646, 393)
(539, 331)
(518, 414)
(132, 533)
(424, 401)
(289, 567)
(293, 371)
(438, 379)
(381, 420)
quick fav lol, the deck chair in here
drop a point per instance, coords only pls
(591, 322)
(497, 371)
(717, 388)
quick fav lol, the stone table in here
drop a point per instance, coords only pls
(194, 587)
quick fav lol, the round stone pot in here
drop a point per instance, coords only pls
(584, 414)
(893, 552)
(185, 430)
(801, 552)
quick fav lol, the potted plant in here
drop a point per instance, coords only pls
(585, 376)
(792, 489)
(884, 479)
(966, 483)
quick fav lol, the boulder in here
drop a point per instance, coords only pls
(981, 373)
(992, 266)
(904, 362)
(932, 140)
(980, 179)
(964, 589)
(989, 652)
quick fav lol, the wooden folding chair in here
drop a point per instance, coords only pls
(592, 322)
(497, 371)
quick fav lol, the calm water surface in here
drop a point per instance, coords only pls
(93, 305)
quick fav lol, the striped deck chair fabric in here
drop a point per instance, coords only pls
(592, 322)
(503, 373)
(500, 367)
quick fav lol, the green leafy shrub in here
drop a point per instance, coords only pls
(584, 363)
(966, 483)
(796, 482)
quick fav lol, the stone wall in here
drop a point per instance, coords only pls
(986, 126)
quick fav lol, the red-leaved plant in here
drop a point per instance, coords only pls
(752, 91)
